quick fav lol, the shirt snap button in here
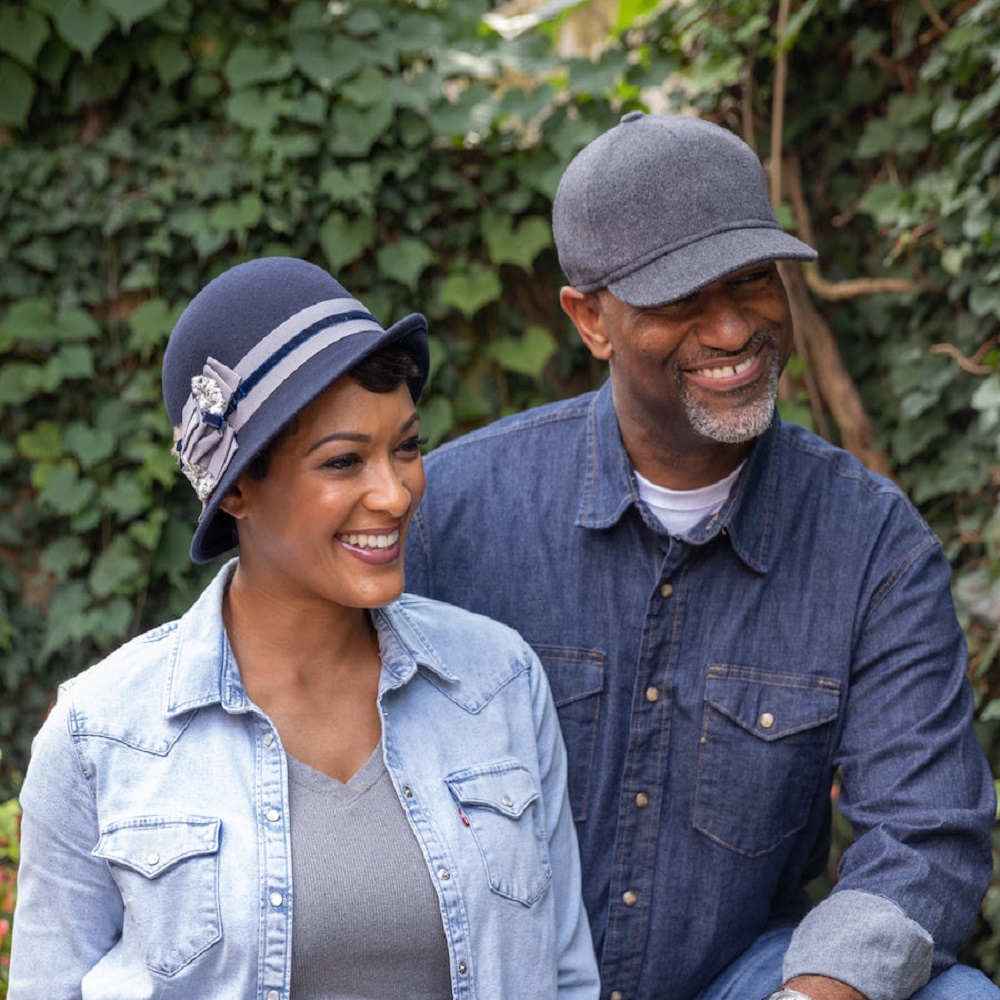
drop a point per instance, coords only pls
(273, 995)
(268, 739)
(617, 995)
(767, 720)
(642, 800)
(652, 694)
(462, 968)
(153, 859)
(507, 801)
(407, 791)
(666, 590)
(444, 874)
(273, 815)
(275, 898)
(629, 898)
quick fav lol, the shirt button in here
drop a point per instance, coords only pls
(507, 801)
(642, 800)
(652, 694)
(152, 859)
(407, 791)
(666, 590)
(268, 739)
(273, 815)
(617, 995)
(767, 720)
(462, 968)
(273, 995)
(629, 898)
(275, 898)
(444, 874)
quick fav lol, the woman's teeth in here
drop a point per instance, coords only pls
(372, 541)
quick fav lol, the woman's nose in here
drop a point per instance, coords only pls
(387, 491)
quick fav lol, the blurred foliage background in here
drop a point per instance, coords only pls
(413, 147)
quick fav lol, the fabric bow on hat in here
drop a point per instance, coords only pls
(206, 442)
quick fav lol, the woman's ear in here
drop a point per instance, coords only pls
(234, 503)
(584, 309)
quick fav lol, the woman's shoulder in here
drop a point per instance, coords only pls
(438, 619)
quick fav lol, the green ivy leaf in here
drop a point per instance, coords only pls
(353, 185)
(405, 261)
(17, 91)
(470, 289)
(75, 325)
(41, 443)
(129, 11)
(63, 555)
(251, 64)
(89, 444)
(437, 417)
(528, 354)
(23, 32)
(115, 568)
(71, 361)
(169, 58)
(355, 130)
(150, 324)
(344, 240)
(125, 497)
(61, 490)
(19, 381)
(510, 243)
(82, 24)
(327, 63)
(67, 619)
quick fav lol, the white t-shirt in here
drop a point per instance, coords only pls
(680, 510)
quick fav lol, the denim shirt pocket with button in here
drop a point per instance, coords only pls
(576, 677)
(174, 857)
(498, 801)
(761, 732)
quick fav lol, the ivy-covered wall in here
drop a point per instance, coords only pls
(407, 145)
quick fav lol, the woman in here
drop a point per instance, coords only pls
(309, 786)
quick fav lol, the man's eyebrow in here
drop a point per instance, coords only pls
(359, 438)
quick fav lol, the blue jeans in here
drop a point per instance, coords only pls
(757, 972)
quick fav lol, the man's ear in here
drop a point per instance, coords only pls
(584, 309)
(234, 503)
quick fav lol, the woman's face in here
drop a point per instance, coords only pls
(329, 520)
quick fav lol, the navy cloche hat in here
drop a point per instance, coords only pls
(254, 347)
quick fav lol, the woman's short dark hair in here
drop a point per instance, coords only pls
(382, 371)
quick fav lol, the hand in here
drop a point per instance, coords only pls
(822, 988)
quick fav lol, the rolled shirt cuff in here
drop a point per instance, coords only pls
(863, 940)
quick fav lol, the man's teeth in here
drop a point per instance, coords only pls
(728, 371)
(372, 541)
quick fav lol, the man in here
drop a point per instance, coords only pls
(728, 608)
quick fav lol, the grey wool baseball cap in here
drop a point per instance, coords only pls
(662, 205)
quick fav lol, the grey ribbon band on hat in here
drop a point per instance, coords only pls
(222, 399)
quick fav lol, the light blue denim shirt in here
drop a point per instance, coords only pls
(155, 842)
(709, 684)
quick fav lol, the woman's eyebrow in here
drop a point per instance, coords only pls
(356, 437)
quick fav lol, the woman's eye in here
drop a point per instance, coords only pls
(341, 463)
(412, 445)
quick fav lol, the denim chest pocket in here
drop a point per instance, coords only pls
(167, 870)
(764, 748)
(500, 804)
(576, 677)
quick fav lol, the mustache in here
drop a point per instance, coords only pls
(765, 336)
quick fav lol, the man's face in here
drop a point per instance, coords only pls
(703, 367)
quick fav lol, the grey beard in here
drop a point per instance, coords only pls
(747, 420)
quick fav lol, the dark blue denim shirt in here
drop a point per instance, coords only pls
(708, 686)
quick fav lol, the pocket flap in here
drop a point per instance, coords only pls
(151, 845)
(506, 787)
(769, 705)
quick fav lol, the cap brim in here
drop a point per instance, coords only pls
(691, 268)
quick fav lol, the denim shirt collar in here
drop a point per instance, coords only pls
(203, 670)
(747, 518)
